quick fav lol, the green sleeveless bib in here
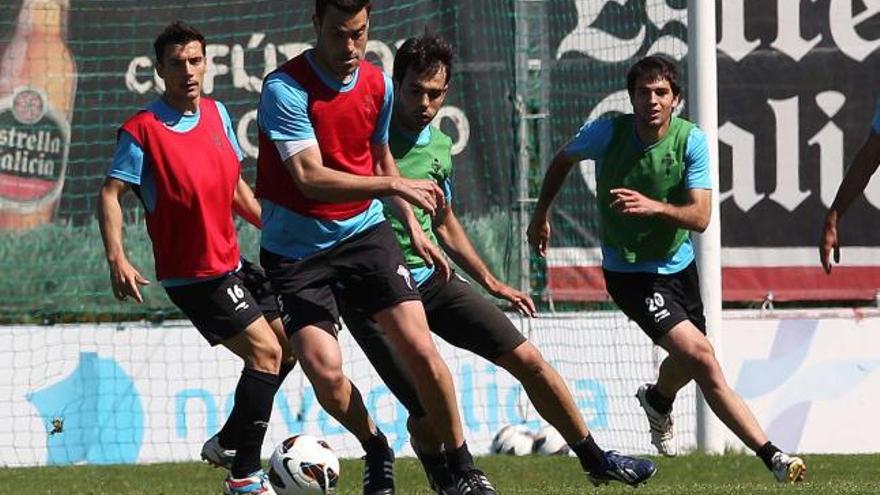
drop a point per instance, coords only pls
(658, 173)
(430, 161)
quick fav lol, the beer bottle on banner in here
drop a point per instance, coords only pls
(37, 89)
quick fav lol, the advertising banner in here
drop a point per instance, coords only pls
(99, 394)
(103, 394)
(796, 100)
(812, 380)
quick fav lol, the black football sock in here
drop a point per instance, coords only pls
(460, 460)
(228, 434)
(766, 453)
(284, 370)
(376, 442)
(662, 405)
(431, 460)
(590, 455)
(253, 400)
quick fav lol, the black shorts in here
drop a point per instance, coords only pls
(658, 302)
(223, 307)
(368, 265)
(456, 313)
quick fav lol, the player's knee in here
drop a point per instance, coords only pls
(525, 360)
(267, 356)
(424, 355)
(428, 367)
(328, 378)
(702, 363)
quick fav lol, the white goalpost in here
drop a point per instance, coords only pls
(703, 106)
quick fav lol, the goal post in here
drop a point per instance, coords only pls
(703, 106)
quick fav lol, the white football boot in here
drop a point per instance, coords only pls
(661, 424)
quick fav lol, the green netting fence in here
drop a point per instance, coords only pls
(547, 65)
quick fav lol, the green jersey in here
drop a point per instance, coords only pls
(420, 158)
(657, 172)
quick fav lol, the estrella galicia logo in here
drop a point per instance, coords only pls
(661, 26)
(28, 107)
(95, 414)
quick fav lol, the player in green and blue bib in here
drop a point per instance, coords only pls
(653, 188)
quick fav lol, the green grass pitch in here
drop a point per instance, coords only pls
(685, 475)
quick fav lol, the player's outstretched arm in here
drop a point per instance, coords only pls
(458, 245)
(854, 183)
(693, 215)
(538, 232)
(124, 278)
(245, 204)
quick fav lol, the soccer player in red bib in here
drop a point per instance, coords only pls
(324, 159)
(180, 156)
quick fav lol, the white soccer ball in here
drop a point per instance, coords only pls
(548, 441)
(303, 465)
(513, 440)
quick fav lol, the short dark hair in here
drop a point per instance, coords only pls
(176, 33)
(347, 6)
(653, 67)
(424, 55)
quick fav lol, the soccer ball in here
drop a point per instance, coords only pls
(513, 440)
(548, 441)
(303, 465)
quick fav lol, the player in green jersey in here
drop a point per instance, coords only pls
(653, 188)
